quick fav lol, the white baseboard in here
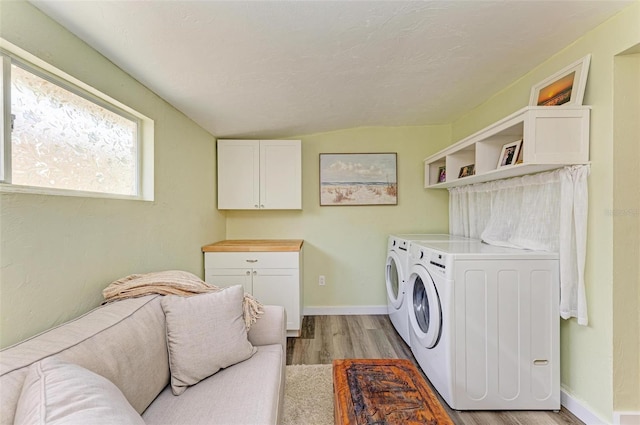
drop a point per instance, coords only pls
(344, 310)
(581, 411)
(626, 418)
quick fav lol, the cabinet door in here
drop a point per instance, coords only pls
(279, 287)
(280, 174)
(238, 174)
(229, 277)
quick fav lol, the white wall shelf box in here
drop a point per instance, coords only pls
(270, 270)
(259, 174)
(553, 136)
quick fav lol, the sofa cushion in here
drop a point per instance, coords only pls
(57, 392)
(205, 333)
(124, 341)
(248, 393)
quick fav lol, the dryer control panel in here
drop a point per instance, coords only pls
(436, 259)
(436, 262)
(397, 244)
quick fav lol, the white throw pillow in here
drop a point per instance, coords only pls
(57, 392)
(205, 333)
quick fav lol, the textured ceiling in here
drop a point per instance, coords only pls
(285, 68)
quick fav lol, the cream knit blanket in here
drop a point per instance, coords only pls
(174, 282)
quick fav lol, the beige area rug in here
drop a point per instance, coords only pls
(308, 395)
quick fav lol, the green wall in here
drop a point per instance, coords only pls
(626, 229)
(57, 253)
(347, 244)
(587, 357)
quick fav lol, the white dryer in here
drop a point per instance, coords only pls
(397, 274)
(484, 324)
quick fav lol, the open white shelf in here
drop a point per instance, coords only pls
(553, 136)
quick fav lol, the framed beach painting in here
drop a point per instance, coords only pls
(358, 179)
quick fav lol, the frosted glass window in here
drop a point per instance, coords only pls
(65, 141)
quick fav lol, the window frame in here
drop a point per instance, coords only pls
(11, 54)
(6, 119)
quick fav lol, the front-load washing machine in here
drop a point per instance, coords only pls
(484, 324)
(397, 273)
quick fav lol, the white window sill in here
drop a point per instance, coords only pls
(11, 188)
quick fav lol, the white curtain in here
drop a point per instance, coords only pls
(545, 211)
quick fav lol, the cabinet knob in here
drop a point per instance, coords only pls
(255, 272)
(251, 261)
(248, 272)
(261, 206)
(256, 206)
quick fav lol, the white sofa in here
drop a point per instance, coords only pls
(126, 342)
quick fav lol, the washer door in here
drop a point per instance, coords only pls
(395, 280)
(425, 313)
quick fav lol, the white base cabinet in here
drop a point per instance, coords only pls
(271, 277)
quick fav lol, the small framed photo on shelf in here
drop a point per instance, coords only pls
(467, 170)
(509, 154)
(520, 153)
(442, 174)
(565, 87)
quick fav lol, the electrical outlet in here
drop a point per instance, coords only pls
(321, 280)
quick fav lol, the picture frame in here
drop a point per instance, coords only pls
(565, 87)
(520, 159)
(442, 174)
(509, 154)
(348, 179)
(467, 170)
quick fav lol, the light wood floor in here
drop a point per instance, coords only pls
(325, 338)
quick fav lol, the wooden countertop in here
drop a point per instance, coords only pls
(255, 245)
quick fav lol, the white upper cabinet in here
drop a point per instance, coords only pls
(552, 137)
(259, 174)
